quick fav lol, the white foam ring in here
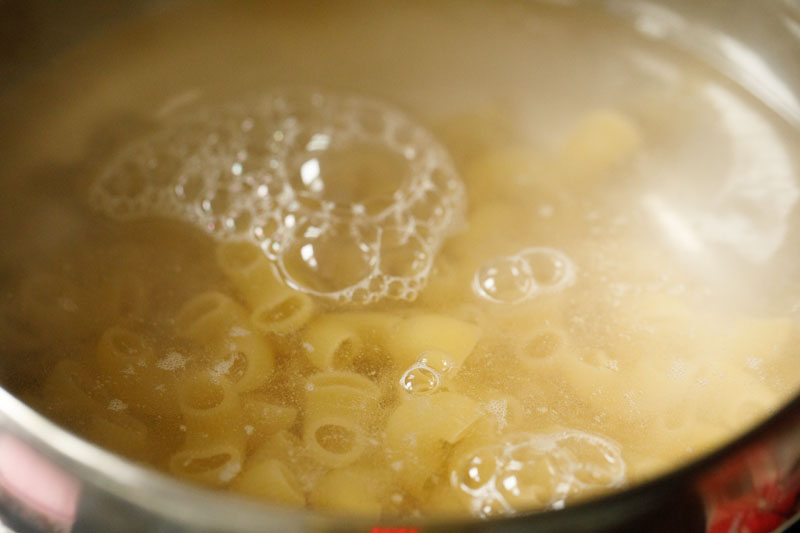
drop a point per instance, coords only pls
(227, 169)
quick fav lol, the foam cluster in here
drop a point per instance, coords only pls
(348, 196)
(529, 470)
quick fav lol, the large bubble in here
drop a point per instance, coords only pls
(527, 471)
(347, 195)
(515, 278)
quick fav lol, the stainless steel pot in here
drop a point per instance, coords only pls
(52, 480)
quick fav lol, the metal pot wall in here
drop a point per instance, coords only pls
(52, 480)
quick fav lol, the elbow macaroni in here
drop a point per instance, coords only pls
(417, 431)
(275, 307)
(130, 368)
(337, 341)
(418, 334)
(214, 448)
(271, 480)
(222, 324)
(355, 490)
(263, 418)
(339, 408)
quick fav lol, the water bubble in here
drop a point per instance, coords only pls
(130, 183)
(403, 254)
(395, 289)
(592, 460)
(420, 379)
(475, 475)
(438, 360)
(478, 470)
(529, 477)
(428, 209)
(357, 173)
(552, 269)
(515, 278)
(326, 261)
(528, 470)
(504, 280)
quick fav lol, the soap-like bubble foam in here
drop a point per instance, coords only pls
(515, 278)
(347, 195)
(528, 470)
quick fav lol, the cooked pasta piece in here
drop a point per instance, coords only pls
(446, 284)
(245, 358)
(275, 307)
(338, 341)
(209, 317)
(334, 441)
(346, 379)
(470, 134)
(72, 394)
(338, 410)
(222, 325)
(659, 324)
(544, 343)
(764, 347)
(502, 174)
(622, 393)
(288, 448)
(130, 370)
(71, 391)
(120, 348)
(355, 490)
(111, 428)
(731, 397)
(331, 342)
(262, 417)
(502, 412)
(214, 448)
(417, 431)
(478, 243)
(599, 143)
(671, 437)
(283, 446)
(270, 480)
(422, 333)
(444, 500)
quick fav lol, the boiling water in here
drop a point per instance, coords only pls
(566, 252)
